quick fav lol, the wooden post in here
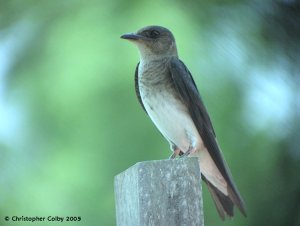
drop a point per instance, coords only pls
(160, 193)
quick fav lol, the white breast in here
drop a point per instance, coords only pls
(171, 118)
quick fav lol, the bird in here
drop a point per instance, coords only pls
(167, 92)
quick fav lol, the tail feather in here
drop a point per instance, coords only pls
(236, 198)
(224, 204)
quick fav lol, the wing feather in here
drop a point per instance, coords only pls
(186, 87)
(136, 85)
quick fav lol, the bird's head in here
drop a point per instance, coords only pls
(154, 42)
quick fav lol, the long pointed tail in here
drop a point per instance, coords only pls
(224, 203)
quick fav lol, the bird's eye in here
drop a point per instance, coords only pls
(154, 34)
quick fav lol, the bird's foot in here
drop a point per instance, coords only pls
(188, 152)
(175, 153)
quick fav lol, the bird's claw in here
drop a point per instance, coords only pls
(175, 153)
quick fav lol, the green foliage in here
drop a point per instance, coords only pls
(70, 120)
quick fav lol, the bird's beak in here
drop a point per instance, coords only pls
(131, 36)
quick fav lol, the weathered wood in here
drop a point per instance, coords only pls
(160, 193)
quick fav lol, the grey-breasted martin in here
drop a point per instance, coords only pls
(167, 92)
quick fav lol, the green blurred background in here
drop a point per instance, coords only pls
(70, 121)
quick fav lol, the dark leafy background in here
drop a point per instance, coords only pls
(70, 121)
